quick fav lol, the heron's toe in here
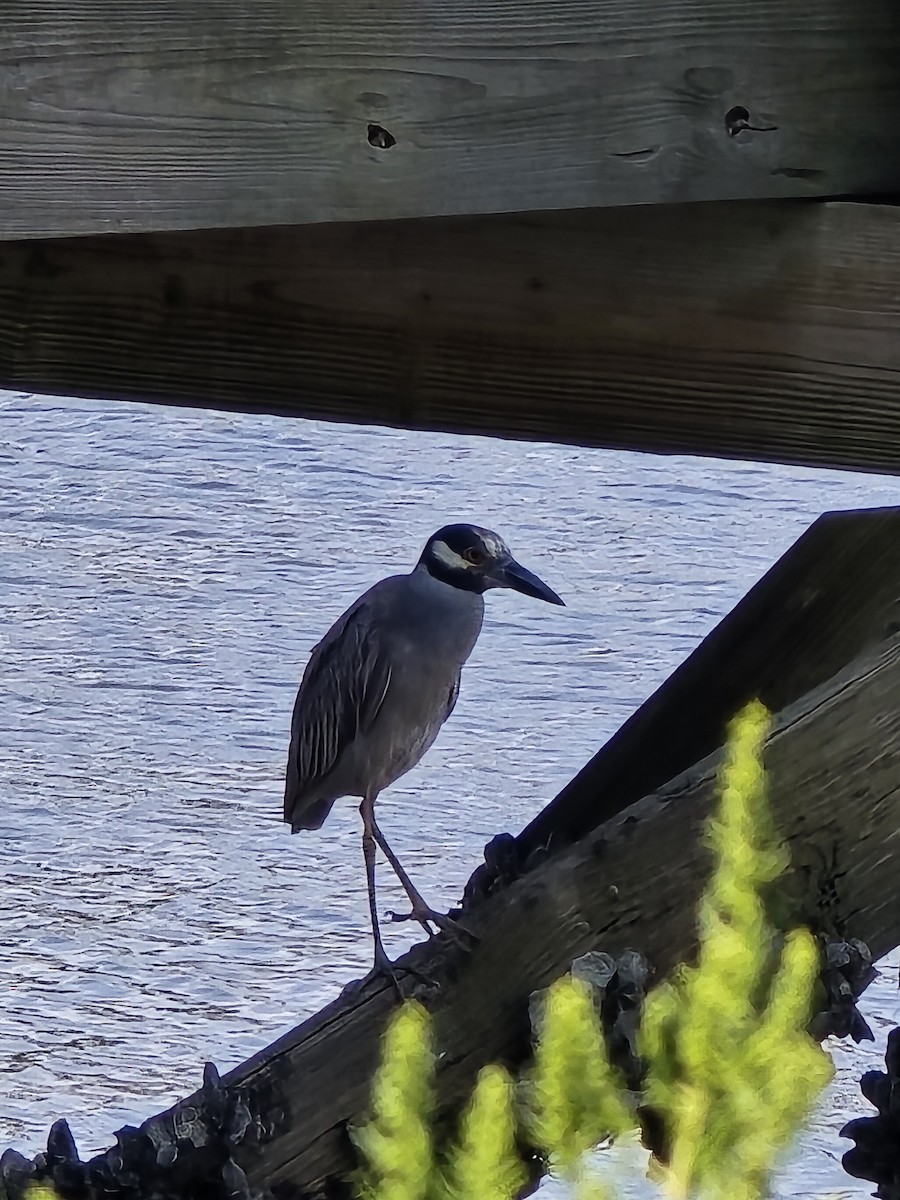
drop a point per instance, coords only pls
(382, 969)
(456, 929)
(449, 925)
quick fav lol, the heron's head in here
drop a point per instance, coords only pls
(474, 559)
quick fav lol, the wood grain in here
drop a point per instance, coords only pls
(834, 772)
(757, 330)
(176, 115)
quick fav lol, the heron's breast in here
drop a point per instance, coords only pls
(414, 709)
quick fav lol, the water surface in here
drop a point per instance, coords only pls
(163, 576)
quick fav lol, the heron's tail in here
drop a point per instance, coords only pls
(309, 814)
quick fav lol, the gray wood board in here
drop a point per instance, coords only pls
(177, 115)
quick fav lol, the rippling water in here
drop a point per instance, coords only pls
(163, 576)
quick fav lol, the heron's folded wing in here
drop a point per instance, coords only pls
(343, 688)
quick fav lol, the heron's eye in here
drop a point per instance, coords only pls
(475, 556)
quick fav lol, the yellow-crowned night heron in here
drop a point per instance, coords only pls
(382, 682)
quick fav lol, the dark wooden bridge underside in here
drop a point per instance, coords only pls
(472, 217)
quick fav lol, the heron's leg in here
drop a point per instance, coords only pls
(421, 911)
(408, 886)
(382, 964)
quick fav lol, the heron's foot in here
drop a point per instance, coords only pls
(383, 968)
(427, 916)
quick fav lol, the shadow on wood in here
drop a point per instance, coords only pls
(763, 331)
(630, 879)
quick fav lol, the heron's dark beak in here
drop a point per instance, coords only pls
(514, 575)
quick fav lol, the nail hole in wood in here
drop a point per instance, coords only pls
(736, 119)
(380, 138)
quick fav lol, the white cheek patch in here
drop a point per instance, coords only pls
(448, 557)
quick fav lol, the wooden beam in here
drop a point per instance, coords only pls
(760, 330)
(177, 115)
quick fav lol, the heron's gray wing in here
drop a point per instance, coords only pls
(342, 690)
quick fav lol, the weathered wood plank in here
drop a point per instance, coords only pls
(177, 115)
(760, 330)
